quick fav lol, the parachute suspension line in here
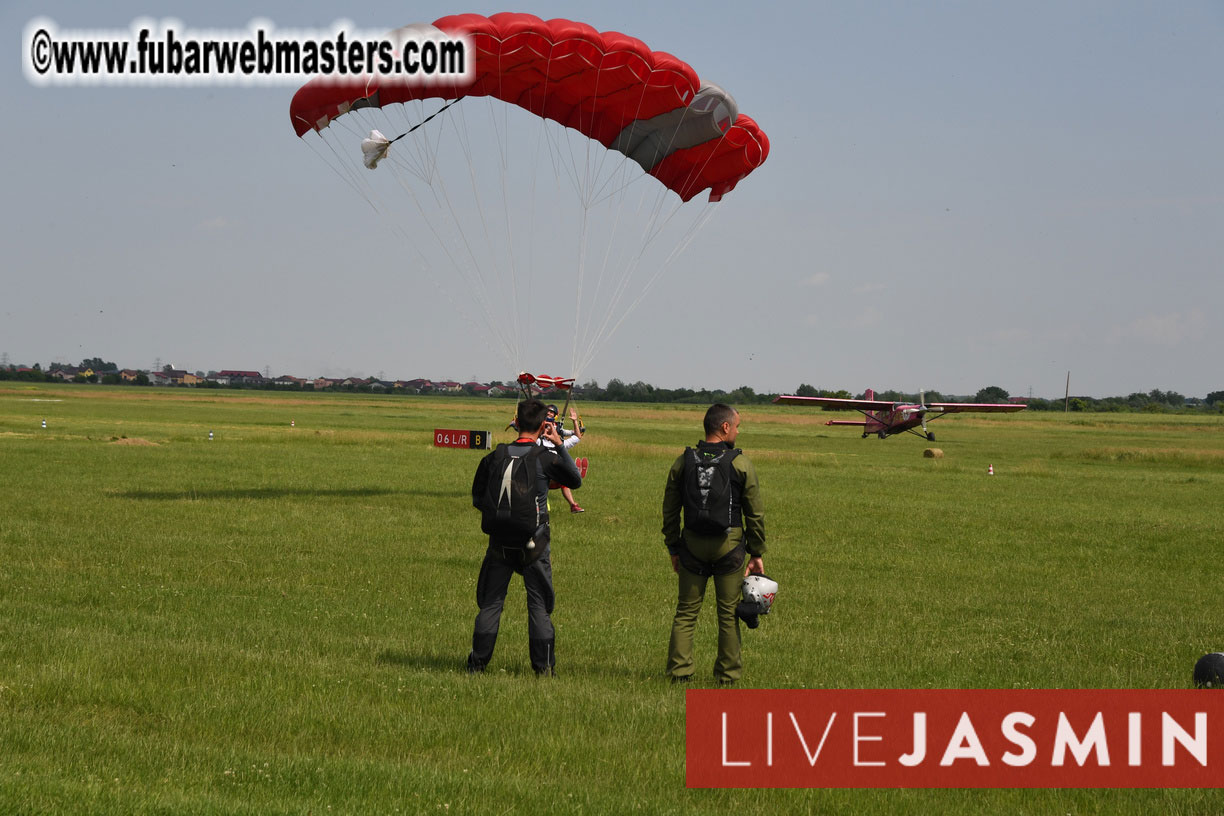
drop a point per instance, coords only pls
(481, 295)
(422, 151)
(474, 272)
(594, 169)
(358, 178)
(594, 338)
(341, 159)
(503, 143)
(582, 185)
(341, 169)
(581, 272)
(571, 170)
(535, 165)
(617, 198)
(464, 141)
(471, 271)
(696, 171)
(657, 226)
(425, 120)
(626, 163)
(698, 225)
(610, 326)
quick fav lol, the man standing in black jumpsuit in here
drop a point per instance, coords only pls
(508, 555)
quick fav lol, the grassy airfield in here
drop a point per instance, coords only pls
(275, 621)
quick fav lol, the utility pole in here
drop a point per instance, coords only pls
(1067, 395)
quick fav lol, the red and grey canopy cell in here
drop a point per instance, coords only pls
(611, 87)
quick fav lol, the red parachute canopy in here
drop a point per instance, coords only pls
(608, 86)
(544, 382)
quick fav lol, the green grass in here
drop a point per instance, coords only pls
(275, 621)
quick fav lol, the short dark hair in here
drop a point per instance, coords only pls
(717, 414)
(531, 414)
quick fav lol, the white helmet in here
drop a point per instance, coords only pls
(759, 592)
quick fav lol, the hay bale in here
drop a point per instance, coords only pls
(933, 453)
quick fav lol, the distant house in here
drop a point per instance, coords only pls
(159, 378)
(497, 390)
(236, 377)
(353, 382)
(289, 381)
(448, 386)
(129, 375)
(419, 385)
(65, 373)
(324, 382)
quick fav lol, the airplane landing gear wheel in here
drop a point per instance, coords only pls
(930, 436)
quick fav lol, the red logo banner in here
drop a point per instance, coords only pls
(946, 738)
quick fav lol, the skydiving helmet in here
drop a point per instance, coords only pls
(758, 592)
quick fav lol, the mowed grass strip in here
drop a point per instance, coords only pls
(275, 621)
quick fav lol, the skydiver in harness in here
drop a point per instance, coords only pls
(569, 438)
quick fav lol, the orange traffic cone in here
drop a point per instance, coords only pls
(990, 470)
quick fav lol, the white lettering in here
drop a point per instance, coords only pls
(857, 739)
(916, 756)
(1171, 732)
(1134, 747)
(810, 756)
(769, 739)
(1011, 731)
(964, 744)
(726, 762)
(1065, 737)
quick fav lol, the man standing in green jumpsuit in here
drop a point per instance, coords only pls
(713, 542)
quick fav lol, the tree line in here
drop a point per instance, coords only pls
(1154, 401)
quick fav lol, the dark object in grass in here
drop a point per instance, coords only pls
(1209, 671)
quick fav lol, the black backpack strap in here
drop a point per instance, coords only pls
(480, 480)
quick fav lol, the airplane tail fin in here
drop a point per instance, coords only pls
(869, 394)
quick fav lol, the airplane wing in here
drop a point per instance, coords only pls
(835, 403)
(978, 407)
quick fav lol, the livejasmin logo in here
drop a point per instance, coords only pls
(980, 738)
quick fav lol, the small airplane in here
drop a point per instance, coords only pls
(884, 418)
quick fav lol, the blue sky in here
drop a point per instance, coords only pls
(958, 195)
